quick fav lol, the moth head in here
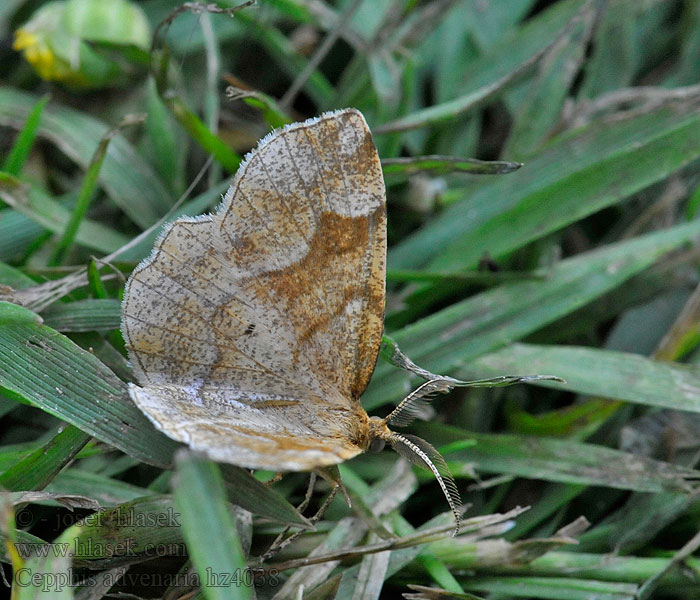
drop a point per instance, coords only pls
(376, 444)
(416, 450)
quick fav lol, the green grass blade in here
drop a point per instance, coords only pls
(554, 588)
(271, 111)
(87, 191)
(554, 497)
(370, 577)
(247, 492)
(97, 286)
(165, 141)
(144, 527)
(37, 469)
(46, 369)
(480, 278)
(616, 49)
(576, 421)
(497, 69)
(562, 461)
(619, 375)
(577, 196)
(638, 522)
(460, 333)
(603, 567)
(209, 530)
(47, 212)
(209, 141)
(537, 115)
(286, 56)
(577, 159)
(25, 140)
(125, 176)
(524, 218)
(106, 491)
(385, 495)
(14, 277)
(399, 168)
(44, 577)
(91, 314)
(17, 234)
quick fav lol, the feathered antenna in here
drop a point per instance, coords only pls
(415, 405)
(421, 453)
(417, 450)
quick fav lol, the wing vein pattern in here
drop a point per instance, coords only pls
(254, 331)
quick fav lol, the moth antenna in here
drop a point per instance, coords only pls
(420, 452)
(416, 403)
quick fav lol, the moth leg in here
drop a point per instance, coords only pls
(277, 477)
(319, 513)
(309, 492)
(332, 475)
(280, 541)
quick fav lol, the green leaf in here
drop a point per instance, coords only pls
(147, 527)
(209, 530)
(555, 189)
(272, 113)
(576, 421)
(619, 375)
(617, 49)
(125, 176)
(500, 67)
(25, 140)
(40, 366)
(397, 168)
(17, 234)
(603, 567)
(36, 470)
(14, 277)
(85, 195)
(165, 140)
(561, 460)
(563, 160)
(247, 492)
(281, 49)
(48, 577)
(452, 337)
(554, 588)
(105, 490)
(47, 212)
(537, 116)
(576, 196)
(638, 522)
(91, 314)
(209, 141)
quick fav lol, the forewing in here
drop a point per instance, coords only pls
(306, 219)
(281, 291)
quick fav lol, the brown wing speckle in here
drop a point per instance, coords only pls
(253, 331)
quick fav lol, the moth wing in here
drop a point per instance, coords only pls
(259, 431)
(282, 288)
(306, 214)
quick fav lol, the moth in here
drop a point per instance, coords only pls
(253, 331)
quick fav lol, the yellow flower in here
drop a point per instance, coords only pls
(54, 40)
(38, 54)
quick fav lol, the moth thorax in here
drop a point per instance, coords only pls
(379, 434)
